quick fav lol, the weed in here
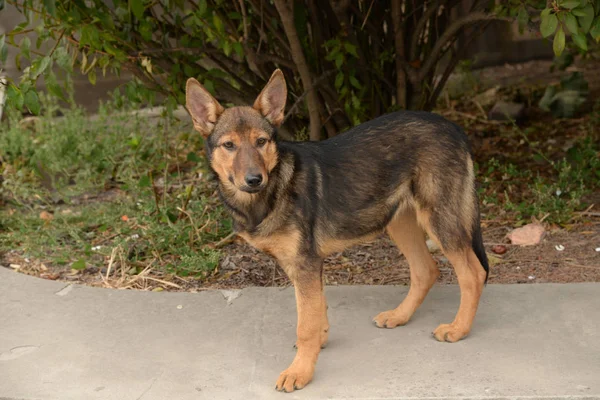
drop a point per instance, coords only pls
(108, 182)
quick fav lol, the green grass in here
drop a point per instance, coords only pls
(553, 193)
(116, 186)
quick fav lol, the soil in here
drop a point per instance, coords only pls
(379, 262)
(375, 263)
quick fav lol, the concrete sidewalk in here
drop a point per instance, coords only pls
(71, 342)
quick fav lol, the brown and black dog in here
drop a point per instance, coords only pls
(407, 173)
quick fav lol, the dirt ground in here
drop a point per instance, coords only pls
(379, 262)
(375, 263)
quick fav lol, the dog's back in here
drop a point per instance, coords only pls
(366, 175)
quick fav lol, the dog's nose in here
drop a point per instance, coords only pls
(253, 180)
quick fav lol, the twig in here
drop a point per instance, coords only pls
(367, 16)
(227, 239)
(242, 5)
(303, 95)
(163, 282)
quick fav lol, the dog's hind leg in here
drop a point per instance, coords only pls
(469, 271)
(410, 239)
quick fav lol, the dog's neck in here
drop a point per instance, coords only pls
(250, 212)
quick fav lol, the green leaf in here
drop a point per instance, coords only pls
(339, 80)
(1, 5)
(339, 60)
(79, 264)
(565, 102)
(144, 181)
(558, 45)
(137, 7)
(145, 30)
(3, 49)
(193, 157)
(32, 102)
(44, 63)
(522, 18)
(350, 48)
(92, 76)
(354, 82)
(238, 48)
(544, 14)
(569, 4)
(580, 41)
(227, 48)
(210, 86)
(595, 31)
(25, 46)
(63, 59)
(53, 86)
(586, 20)
(14, 97)
(218, 23)
(201, 8)
(575, 81)
(571, 23)
(50, 6)
(83, 61)
(548, 25)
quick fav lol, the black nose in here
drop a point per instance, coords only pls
(253, 180)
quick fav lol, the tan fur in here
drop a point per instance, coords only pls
(471, 280)
(310, 301)
(331, 245)
(410, 239)
(281, 245)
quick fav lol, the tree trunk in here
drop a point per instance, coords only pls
(287, 19)
(400, 53)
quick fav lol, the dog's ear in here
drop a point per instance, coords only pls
(271, 101)
(203, 108)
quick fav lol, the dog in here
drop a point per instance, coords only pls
(407, 173)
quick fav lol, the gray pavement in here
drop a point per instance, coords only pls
(529, 341)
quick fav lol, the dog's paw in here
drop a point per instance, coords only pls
(390, 319)
(449, 333)
(294, 378)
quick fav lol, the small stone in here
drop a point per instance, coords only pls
(528, 235)
(505, 111)
(499, 249)
(559, 247)
(179, 307)
(486, 98)
(531, 277)
(598, 249)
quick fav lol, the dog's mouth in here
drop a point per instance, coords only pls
(252, 190)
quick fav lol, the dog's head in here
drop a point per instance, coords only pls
(240, 140)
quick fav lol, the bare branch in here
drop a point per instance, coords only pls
(287, 18)
(399, 45)
(315, 84)
(448, 35)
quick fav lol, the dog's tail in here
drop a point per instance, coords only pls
(478, 248)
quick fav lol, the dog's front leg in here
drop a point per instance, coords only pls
(312, 325)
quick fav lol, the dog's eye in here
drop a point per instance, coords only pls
(261, 142)
(228, 145)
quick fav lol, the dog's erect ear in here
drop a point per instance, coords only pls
(271, 101)
(203, 108)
